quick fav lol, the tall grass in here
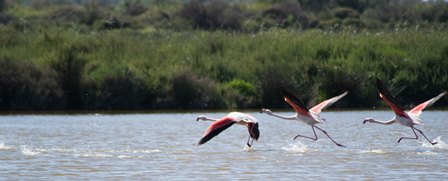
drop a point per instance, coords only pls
(130, 69)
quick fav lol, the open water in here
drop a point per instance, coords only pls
(161, 146)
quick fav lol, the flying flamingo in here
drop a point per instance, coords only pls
(220, 125)
(410, 118)
(310, 117)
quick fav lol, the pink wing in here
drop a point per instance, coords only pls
(417, 110)
(389, 99)
(215, 128)
(318, 108)
(292, 100)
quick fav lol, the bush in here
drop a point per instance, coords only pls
(23, 86)
(67, 14)
(69, 68)
(134, 8)
(343, 13)
(286, 14)
(217, 14)
(240, 94)
(272, 79)
(194, 11)
(124, 92)
(5, 19)
(188, 91)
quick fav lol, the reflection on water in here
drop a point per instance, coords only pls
(162, 146)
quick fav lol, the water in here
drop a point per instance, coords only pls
(162, 147)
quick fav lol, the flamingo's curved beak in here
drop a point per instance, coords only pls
(366, 120)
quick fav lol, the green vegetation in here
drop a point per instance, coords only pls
(166, 56)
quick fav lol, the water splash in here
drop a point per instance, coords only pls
(248, 149)
(374, 151)
(296, 147)
(27, 151)
(440, 144)
(4, 147)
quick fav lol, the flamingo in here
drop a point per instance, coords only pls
(410, 118)
(308, 116)
(220, 125)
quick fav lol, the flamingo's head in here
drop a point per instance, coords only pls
(201, 118)
(267, 111)
(253, 130)
(367, 120)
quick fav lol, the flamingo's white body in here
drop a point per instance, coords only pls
(222, 124)
(310, 117)
(410, 118)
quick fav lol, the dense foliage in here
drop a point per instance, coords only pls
(171, 55)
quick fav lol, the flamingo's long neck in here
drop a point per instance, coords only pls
(284, 117)
(207, 119)
(392, 121)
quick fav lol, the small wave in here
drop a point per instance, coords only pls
(124, 156)
(4, 147)
(147, 151)
(297, 147)
(374, 151)
(440, 144)
(27, 151)
(427, 152)
(93, 155)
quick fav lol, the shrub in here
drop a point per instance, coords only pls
(287, 13)
(67, 14)
(358, 5)
(134, 8)
(217, 14)
(5, 19)
(194, 11)
(240, 94)
(124, 92)
(343, 13)
(69, 68)
(443, 16)
(188, 91)
(23, 86)
(272, 79)
(362, 92)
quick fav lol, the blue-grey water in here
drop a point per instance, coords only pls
(162, 147)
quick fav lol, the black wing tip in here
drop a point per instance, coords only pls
(381, 87)
(214, 133)
(286, 93)
(200, 142)
(254, 132)
(383, 90)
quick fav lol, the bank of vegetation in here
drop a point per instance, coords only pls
(215, 55)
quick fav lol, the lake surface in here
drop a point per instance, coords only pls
(162, 147)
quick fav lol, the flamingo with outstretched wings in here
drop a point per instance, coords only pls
(219, 125)
(410, 118)
(305, 115)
